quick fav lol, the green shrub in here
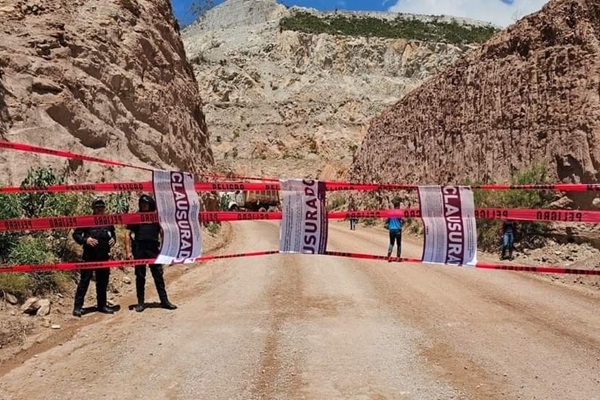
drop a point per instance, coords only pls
(38, 246)
(118, 203)
(16, 284)
(10, 207)
(213, 228)
(335, 202)
(369, 222)
(224, 200)
(32, 250)
(434, 31)
(530, 234)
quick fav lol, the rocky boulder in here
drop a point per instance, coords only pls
(528, 95)
(108, 79)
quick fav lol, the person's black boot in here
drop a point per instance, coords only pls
(140, 306)
(106, 310)
(77, 312)
(168, 305)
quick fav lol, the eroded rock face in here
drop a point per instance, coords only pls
(291, 104)
(529, 95)
(109, 79)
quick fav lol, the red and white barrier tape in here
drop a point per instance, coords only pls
(115, 263)
(479, 265)
(262, 186)
(129, 263)
(234, 176)
(139, 187)
(337, 186)
(86, 221)
(65, 154)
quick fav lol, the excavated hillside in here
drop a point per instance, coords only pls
(283, 101)
(529, 95)
(104, 78)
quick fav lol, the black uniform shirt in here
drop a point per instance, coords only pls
(103, 234)
(145, 232)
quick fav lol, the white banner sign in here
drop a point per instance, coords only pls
(448, 214)
(304, 217)
(178, 211)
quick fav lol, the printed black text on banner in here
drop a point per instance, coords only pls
(178, 209)
(448, 213)
(304, 220)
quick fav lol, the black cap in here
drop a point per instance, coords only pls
(98, 202)
(148, 200)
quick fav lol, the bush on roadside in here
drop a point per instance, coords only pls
(35, 247)
(530, 234)
(213, 228)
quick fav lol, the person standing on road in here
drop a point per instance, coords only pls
(97, 242)
(394, 225)
(353, 220)
(509, 231)
(143, 242)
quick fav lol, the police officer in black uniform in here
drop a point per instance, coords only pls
(97, 242)
(143, 242)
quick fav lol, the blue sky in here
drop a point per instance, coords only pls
(500, 12)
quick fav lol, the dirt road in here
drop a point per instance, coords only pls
(321, 327)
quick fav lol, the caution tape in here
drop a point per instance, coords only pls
(479, 265)
(138, 187)
(84, 187)
(274, 185)
(537, 215)
(29, 268)
(86, 221)
(65, 154)
(234, 176)
(262, 186)
(82, 221)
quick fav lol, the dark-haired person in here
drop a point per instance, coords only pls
(143, 242)
(353, 220)
(394, 225)
(97, 242)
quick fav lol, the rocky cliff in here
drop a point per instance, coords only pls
(289, 103)
(105, 78)
(528, 95)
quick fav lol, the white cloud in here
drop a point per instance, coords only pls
(496, 11)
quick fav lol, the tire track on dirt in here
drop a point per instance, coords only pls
(285, 301)
(329, 336)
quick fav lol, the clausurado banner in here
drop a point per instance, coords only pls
(448, 214)
(304, 221)
(178, 209)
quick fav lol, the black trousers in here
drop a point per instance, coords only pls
(102, 276)
(141, 251)
(395, 236)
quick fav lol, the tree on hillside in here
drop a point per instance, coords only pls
(199, 7)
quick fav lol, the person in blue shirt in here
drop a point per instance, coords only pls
(395, 228)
